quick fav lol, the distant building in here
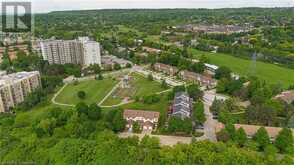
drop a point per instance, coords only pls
(92, 53)
(15, 87)
(182, 105)
(167, 69)
(251, 130)
(151, 50)
(211, 67)
(217, 29)
(13, 49)
(198, 78)
(148, 120)
(287, 96)
(109, 61)
(83, 51)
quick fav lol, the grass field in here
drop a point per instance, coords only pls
(145, 87)
(95, 91)
(139, 87)
(269, 72)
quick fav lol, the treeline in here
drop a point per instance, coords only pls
(85, 135)
(150, 21)
(263, 108)
(260, 141)
(271, 44)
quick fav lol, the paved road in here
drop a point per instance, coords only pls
(210, 123)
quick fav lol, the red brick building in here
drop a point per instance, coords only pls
(198, 78)
(167, 69)
(148, 120)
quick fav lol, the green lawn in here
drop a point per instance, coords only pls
(95, 91)
(140, 86)
(268, 72)
(145, 87)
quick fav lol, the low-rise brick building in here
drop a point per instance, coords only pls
(148, 120)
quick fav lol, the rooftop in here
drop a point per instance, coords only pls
(7, 79)
(140, 113)
(287, 96)
(250, 130)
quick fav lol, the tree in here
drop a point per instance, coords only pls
(231, 131)
(204, 59)
(198, 67)
(194, 92)
(94, 112)
(99, 77)
(216, 106)
(82, 108)
(82, 94)
(262, 138)
(223, 136)
(177, 125)
(198, 113)
(118, 122)
(136, 127)
(117, 66)
(150, 77)
(48, 125)
(128, 65)
(151, 99)
(284, 141)
(223, 72)
(241, 137)
(95, 68)
(164, 84)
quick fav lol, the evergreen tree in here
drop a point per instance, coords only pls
(284, 141)
(241, 137)
(262, 138)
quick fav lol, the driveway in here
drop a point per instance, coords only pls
(210, 123)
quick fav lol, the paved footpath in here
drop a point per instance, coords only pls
(53, 100)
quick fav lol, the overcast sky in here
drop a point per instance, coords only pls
(57, 5)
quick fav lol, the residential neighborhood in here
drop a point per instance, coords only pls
(147, 82)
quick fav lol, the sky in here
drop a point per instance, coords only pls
(43, 6)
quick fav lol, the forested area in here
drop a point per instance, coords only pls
(73, 136)
(272, 29)
(41, 133)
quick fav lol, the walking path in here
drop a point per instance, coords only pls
(53, 100)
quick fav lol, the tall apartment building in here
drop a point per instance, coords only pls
(82, 51)
(15, 87)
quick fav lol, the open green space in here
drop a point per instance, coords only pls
(95, 91)
(269, 72)
(145, 87)
(139, 87)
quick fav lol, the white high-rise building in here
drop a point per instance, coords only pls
(82, 51)
(92, 53)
